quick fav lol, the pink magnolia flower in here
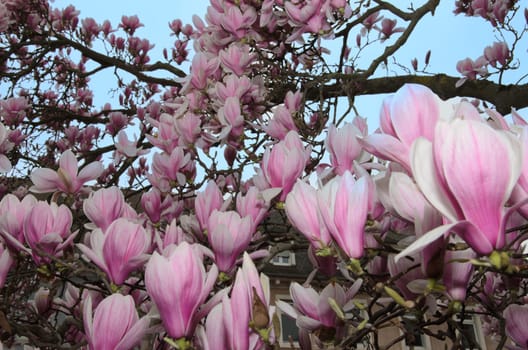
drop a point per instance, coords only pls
(118, 251)
(303, 211)
(388, 27)
(173, 166)
(229, 235)
(312, 310)
(208, 201)
(202, 69)
(104, 206)
(343, 204)
(254, 204)
(470, 69)
(12, 214)
(237, 58)
(370, 22)
(467, 173)
(249, 303)
(284, 163)
(237, 21)
(457, 274)
(281, 123)
(344, 147)
(411, 112)
(13, 110)
(47, 230)
(5, 146)
(130, 24)
(67, 178)
(516, 317)
(497, 53)
(178, 284)
(115, 324)
(126, 148)
(6, 261)
(408, 202)
(231, 119)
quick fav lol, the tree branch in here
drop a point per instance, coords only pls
(503, 97)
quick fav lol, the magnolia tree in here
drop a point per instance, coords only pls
(146, 222)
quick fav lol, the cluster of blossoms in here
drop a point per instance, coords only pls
(426, 215)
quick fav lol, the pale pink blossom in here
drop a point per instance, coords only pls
(497, 53)
(12, 214)
(284, 163)
(121, 249)
(47, 230)
(410, 113)
(5, 146)
(516, 317)
(344, 148)
(208, 201)
(13, 110)
(104, 206)
(237, 21)
(6, 261)
(312, 310)
(67, 178)
(114, 324)
(467, 161)
(458, 271)
(343, 205)
(229, 235)
(471, 69)
(303, 211)
(179, 285)
(126, 148)
(237, 58)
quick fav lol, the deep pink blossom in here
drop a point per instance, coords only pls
(130, 24)
(388, 27)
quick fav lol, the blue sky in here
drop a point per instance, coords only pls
(449, 37)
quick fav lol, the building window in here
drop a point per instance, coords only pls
(470, 333)
(415, 339)
(289, 331)
(289, 336)
(284, 258)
